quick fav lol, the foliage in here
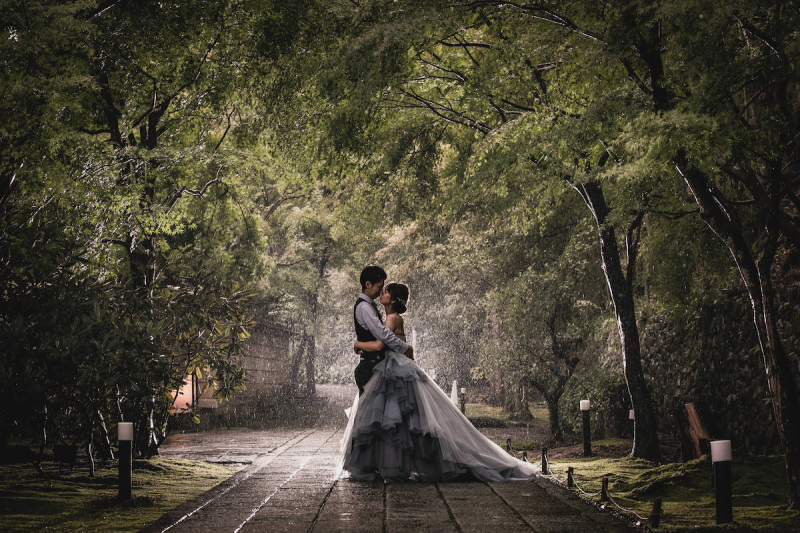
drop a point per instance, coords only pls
(700, 362)
(131, 219)
(631, 105)
(606, 393)
(169, 169)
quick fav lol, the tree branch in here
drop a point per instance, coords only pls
(461, 77)
(279, 202)
(763, 37)
(227, 129)
(308, 259)
(673, 215)
(192, 192)
(538, 12)
(632, 244)
(465, 44)
(635, 77)
(440, 111)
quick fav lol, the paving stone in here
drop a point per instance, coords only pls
(419, 524)
(292, 485)
(347, 526)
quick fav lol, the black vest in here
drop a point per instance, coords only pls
(365, 335)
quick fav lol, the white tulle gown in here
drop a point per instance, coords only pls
(404, 427)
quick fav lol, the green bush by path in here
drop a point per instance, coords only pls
(73, 501)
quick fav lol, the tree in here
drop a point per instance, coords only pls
(697, 106)
(126, 203)
(748, 196)
(523, 87)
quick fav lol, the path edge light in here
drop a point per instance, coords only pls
(721, 458)
(125, 437)
(587, 440)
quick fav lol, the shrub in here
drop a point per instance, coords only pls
(608, 395)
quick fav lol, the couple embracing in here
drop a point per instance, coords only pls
(402, 426)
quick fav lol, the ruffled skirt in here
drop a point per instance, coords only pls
(403, 427)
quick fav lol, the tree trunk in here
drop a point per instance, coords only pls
(108, 452)
(757, 278)
(297, 356)
(311, 355)
(311, 344)
(620, 287)
(89, 451)
(556, 433)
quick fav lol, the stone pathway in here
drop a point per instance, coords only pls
(291, 484)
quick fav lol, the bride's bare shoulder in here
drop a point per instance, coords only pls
(394, 322)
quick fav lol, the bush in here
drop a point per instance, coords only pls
(714, 362)
(487, 422)
(608, 394)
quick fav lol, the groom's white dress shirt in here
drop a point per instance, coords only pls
(368, 318)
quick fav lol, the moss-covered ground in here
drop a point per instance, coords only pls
(759, 487)
(482, 410)
(73, 501)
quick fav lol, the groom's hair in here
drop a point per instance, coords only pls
(373, 274)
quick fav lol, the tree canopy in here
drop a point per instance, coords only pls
(542, 174)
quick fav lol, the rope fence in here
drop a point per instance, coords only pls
(605, 498)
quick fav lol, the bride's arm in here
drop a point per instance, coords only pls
(395, 323)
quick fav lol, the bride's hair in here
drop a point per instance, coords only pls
(399, 294)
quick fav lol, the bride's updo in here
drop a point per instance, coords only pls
(399, 295)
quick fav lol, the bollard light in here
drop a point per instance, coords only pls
(125, 437)
(463, 390)
(463, 401)
(545, 466)
(721, 458)
(587, 438)
(630, 415)
(721, 451)
(125, 430)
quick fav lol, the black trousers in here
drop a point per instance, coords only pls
(364, 371)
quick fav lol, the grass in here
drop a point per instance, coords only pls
(76, 502)
(482, 410)
(759, 484)
(688, 498)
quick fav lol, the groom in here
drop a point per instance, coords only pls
(369, 326)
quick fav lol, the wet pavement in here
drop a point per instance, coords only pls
(290, 483)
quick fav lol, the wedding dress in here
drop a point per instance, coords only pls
(404, 427)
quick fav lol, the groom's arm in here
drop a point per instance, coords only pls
(369, 320)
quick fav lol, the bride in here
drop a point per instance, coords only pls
(403, 427)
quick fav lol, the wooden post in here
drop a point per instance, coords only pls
(545, 466)
(655, 513)
(570, 478)
(604, 490)
(697, 431)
